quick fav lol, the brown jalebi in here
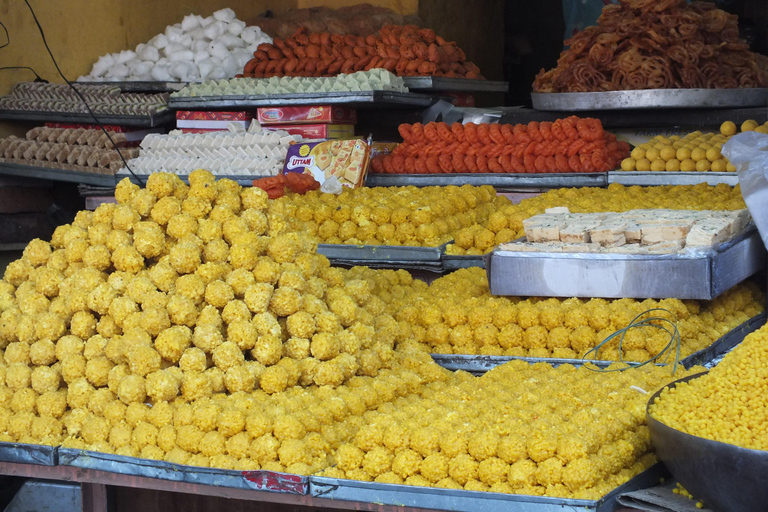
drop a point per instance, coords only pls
(656, 44)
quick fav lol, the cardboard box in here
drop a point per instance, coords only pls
(346, 159)
(306, 115)
(316, 131)
(210, 120)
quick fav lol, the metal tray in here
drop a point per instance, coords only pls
(451, 262)
(439, 83)
(148, 121)
(241, 179)
(360, 99)
(692, 275)
(498, 181)
(50, 173)
(139, 86)
(478, 364)
(470, 501)
(651, 98)
(723, 476)
(381, 253)
(253, 480)
(22, 453)
(647, 179)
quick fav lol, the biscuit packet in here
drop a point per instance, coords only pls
(347, 160)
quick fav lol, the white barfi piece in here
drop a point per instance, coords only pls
(609, 233)
(708, 233)
(558, 209)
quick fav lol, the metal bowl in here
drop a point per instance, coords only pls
(725, 477)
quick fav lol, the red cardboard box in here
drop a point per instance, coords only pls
(316, 131)
(305, 115)
(211, 121)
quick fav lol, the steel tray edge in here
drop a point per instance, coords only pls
(22, 453)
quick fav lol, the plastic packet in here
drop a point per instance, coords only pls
(748, 152)
(331, 186)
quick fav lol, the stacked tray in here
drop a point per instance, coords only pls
(359, 99)
(648, 179)
(478, 364)
(241, 179)
(21, 453)
(440, 83)
(384, 256)
(137, 121)
(54, 174)
(498, 181)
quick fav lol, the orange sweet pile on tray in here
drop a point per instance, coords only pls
(572, 144)
(296, 182)
(403, 50)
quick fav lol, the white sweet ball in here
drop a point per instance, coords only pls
(197, 34)
(173, 34)
(218, 49)
(186, 40)
(118, 71)
(201, 45)
(160, 73)
(190, 22)
(200, 56)
(236, 27)
(231, 41)
(103, 64)
(148, 53)
(181, 55)
(249, 34)
(214, 30)
(159, 41)
(241, 56)
(143, 68)
(175, 48)
(181, 69)
(124, 56)
(230, 67)
(225, 14)
(205, 67)
(217, 73)
(207, 21)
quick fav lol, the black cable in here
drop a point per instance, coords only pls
(8, 37)
(38, 79)
(42, 34)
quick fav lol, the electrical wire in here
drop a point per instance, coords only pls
(656, 322)
(7, 37)
(38, 79)
(96, 120)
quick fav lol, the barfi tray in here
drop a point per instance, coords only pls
(699, 275)
(22, 453)
(360, 99)
(498, 181)
(439, 83)
(253, 480)
(138, 121)
(651, 98)
(479, 364)
(142, 86)
(54, 174)
(244, 180)
(471, 501)
(383, 256)
(453, 262)
(649, 179)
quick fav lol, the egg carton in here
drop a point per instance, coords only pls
(372, 80)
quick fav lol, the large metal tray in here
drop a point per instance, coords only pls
(142, 86)
(452, 262)
(478, 364)
(22, 453)
(439, 83)
(148, 121)
(470, 501)
(651, 98)
(649, 179)
(724, 476)
(692, 275)
(498, 181)
(241, 179)
(389, 256)
(360, 99)
(50, 173)
(253, 480)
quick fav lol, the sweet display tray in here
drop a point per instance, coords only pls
(439, 83)
(360, 99)
(498, 181)
(254, 480)
(471, 501)
(21, 453)
(142, 86)
(479, 364)
(137, 121)
(691, 275)
(451, 262)
(53, 174)
(651, 98)
(649, 179)
(244, 180)
(383, 256)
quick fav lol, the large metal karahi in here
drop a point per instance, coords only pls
(650, 99)
(360, 99)
(650, 179)
(727, 478)
(479, 364)
(701, 275)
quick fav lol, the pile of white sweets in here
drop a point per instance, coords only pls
(631, 232)
(223, 153)
(191, 51)
(376, 79)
